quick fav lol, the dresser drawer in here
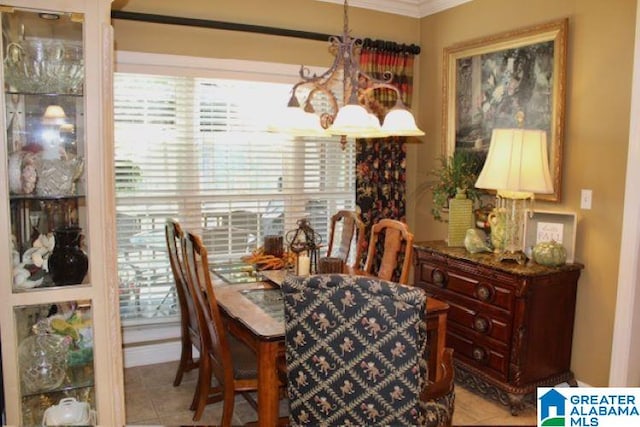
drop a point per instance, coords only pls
(475, 315)
(478, 351)
(479, 288)
(472, 317)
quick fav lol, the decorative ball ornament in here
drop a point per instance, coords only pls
(551, 253)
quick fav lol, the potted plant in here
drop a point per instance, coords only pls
(458, 171)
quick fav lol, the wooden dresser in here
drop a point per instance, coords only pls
(510, 325)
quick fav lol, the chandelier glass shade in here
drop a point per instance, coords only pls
(345, 117)
(298, 122)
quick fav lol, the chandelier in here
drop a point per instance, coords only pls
(348, 118)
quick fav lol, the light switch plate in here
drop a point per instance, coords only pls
(585, 199)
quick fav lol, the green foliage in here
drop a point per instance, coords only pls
(128, 175)
(457, 171)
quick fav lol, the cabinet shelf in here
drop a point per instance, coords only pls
(78, 377)
(19, 93)
(45, 198)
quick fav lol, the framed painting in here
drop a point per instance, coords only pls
(488, 81)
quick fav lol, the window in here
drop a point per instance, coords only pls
(194, 146)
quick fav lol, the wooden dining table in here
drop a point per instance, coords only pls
(254, 313)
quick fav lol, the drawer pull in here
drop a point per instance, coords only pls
(481, 324)
(484, 292)
(479, 354)
(438, 278)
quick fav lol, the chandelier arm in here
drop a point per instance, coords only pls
(375, 83)
(305, 72)
(387, 77)
(293, 101)
(382, 85)
(326, 120)
(311, 79)
(332, 101)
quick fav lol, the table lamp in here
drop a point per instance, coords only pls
(517, 167)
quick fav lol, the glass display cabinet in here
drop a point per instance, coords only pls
(60, 331)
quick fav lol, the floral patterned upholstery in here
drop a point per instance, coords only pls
(355, 351)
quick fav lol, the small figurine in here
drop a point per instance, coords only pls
(475, 240)
(30, 272)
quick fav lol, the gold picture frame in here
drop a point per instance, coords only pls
(487, 81)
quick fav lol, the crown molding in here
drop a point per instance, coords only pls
(411, 8)
(429, 7)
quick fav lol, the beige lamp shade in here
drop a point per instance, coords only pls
(54, 115)
(517, 164)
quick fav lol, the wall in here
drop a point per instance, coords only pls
(303, 15)
(599, 69)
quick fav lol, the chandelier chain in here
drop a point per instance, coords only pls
(346, 17)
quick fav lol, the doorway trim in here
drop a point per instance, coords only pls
(624, 370)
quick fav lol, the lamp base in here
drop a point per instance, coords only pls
(517, 256)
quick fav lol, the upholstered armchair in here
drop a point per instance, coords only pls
(355, 354)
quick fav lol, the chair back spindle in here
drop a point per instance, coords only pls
(352, 227)
(397, 250)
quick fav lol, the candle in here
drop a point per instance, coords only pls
(304, 265)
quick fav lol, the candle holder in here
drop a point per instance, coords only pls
(305, 243)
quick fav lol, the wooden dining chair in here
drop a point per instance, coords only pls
(396, 244)
(230, 361)
(189, 330)
(352, 227)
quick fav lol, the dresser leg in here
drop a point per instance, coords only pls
(516, 403)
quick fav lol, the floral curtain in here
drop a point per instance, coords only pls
(381, 163)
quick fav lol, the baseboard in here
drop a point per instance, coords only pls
(580, 384)
(150, 354)
(146, 344)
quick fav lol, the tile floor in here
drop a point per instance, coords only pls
(151, 399)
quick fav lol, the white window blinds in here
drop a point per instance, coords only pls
(196, 149)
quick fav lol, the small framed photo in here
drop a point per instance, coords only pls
(545, 226)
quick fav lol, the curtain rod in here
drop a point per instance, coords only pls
(260, 29)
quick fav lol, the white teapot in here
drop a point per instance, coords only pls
(67, 412)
